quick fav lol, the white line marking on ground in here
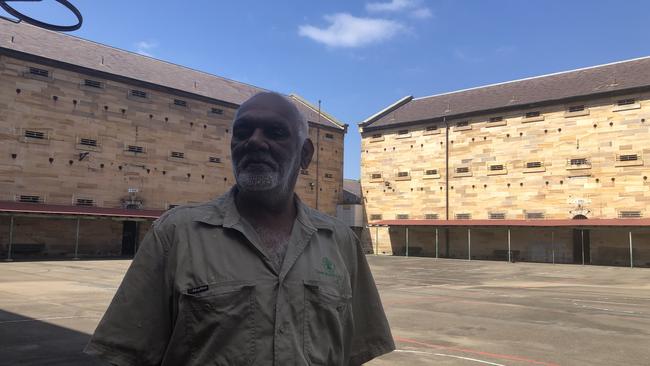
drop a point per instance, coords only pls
(49, 318)
(446, 355)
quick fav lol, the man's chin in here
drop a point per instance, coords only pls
(257, 183)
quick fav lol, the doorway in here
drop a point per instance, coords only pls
(129, 235)
(581, 247)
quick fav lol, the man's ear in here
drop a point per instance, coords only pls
(306, 153)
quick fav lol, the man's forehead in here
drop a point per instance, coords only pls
(268, 105)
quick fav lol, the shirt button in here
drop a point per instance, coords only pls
(281, 330)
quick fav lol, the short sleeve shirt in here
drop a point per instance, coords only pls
(202, 291)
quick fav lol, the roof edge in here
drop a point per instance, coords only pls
(318, 110)
(386, 110)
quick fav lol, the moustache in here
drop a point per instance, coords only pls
(254, 158)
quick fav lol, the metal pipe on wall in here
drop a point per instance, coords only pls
(469, 244)
(407, 241)
(631, 256)
(11, 239)
(76, 242)
(509, 251)
(437, 243)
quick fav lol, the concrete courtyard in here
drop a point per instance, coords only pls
(442, 312)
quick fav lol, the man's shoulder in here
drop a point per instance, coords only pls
(322, 220)
(191, 212)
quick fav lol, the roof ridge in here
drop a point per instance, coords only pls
(317, 110)
(533, 77)
(386, 110)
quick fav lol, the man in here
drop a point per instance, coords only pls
(252, 278)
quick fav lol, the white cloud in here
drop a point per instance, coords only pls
(145, 47)
(393, 5)
(346, 30)
(422, 13)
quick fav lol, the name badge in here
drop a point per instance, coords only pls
(196, 290)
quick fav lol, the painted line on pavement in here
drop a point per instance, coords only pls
(446, 355)
(49, 318)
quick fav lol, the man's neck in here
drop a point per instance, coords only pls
(267, 209)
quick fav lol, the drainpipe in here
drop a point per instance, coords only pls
(318, 156)
(444, 120)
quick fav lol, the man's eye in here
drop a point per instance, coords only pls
(277, 132)
(241, 133)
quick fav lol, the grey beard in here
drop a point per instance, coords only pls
(257, 181)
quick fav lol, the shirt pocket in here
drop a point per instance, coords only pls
(326, 325)
(220, 323)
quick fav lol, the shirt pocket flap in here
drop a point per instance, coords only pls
(327, 292)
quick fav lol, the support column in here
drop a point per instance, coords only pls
(553, 244)
(469, 244)
(377, 240)
(509, 251)
(582, 240)
(11, 239)
(76, 242)
(407, 241)
(631, 256)
(437, 242)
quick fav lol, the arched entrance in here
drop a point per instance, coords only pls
(581, 243)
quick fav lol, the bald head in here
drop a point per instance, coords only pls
(281, 105)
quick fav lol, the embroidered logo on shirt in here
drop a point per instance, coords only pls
(196, 290)
(328, 266)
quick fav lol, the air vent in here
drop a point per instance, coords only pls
(138, 93)
(329, 175)
(431, 172)
(375, 217)
(463, 216)
(29, 199)
(496, 119)
(432, 128)
(533, 164)
(497, 216)
(375, 176)
(214, 159)
(216, 111)
(329, 136)
(496, 167)
(84, 202)
(135, 149)
(628, 157)
(431, 216)
(376, 136)
(532, 114)
(629, 214)
(462, 124)
(403, 132)
(35, 134)
(402, 174)
(88, 142)
(39, 72)
(177, 155)
(534, 215)
(402, 216)
(462, 169)
(579, 161)
(626, 101)
(576, 108)
(180, 103)
(92, 83)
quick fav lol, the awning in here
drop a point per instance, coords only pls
(39, 209)
(517, 223)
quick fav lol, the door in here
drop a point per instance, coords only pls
(581, 244)
(129, 234)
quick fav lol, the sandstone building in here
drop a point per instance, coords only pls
(98, 142)
(550, 168)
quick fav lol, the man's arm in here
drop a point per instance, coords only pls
(136, 327)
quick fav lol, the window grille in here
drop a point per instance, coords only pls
(216, 111)
(534, 215)
(403, 174)
(92, 83)
(576, 108)
(375, 217)
(579, 161)
(626, 101)
(375, 176)
(329, 136)
(88, 142)
(497, 167)
(497, 216)
(135, 149)
(463, 216)
(177, 155)
(138, 93)
(629, 214)
(462, 169)
(532, 114)
(533, 164)
(35, 134)
(431, 216)
(628, 157)
(39, 72)
(402, 216)
(214, 159)
(431, 172)
(180, 103)
(29, 199)
(84, 202)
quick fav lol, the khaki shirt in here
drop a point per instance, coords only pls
(202, 291)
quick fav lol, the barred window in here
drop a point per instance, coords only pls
(533, 164)
(629, 214)
(496, 119)
(138, 93)
(431, 216)
(533, 215)
(214, 159)
(497, 216)
(39, 72)
(432, 128)
(375, 217)
(497, 167)
(628, 157)
(576, 108)
(626, 101)
(329, 136)
(375, 176)
(216, 111)
(29, 199)
(463, 216)
(579, 161)
(431, 172)
(35, 134)
(88, 142)
(462, 124)
(532, 114)
(402, 216)
(329, 175)
(180, 103)
(177, 155)
(462, 169)
(376, 136)
(92, 83)
(84, 202)
(135, 149)
(402, 174)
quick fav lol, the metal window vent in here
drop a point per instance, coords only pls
(329, 175)
(88, 142)
(180, 103)
(431, 216)
(35, 134)
(93, 83)
(135, 149)
(402, 174)
(532, 114)
(402, 216)
(432, 128)
(329, 136)
(29, 199)
(375, 176)
(463, 216)
(579, 161)
(39, 72)
(497, 216)
(534, 215)
(497, 167)
(431, 172)
(533, 164)
(629, 214)
(138, 93)
(462, 124)
(177, 155)
(214, 159)
(628, 157)
(84, 202)
(463, 169)
(626, 101)
(403, 132)
(496, 119)
(576, 108)
(376, 136)
(375, 217)
(216, 111)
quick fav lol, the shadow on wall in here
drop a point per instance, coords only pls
(27, 341)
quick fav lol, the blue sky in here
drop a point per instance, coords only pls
(358, 57)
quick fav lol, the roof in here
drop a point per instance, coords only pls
(517, 223)
(351, 192)
(612, 78)
(11, 207)
(67, 49)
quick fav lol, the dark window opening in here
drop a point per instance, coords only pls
(534, 215)
(462, 124)
(88, 142)
(214, 159)
(329, 136)
(579, 161)
(431, 172)
(177, 155)
(35, 134)
(403, 174)
(628, 157)
(84, 202)
(497, 216)
(496, 119)
(135, 149)
(576, 108)
(532, 114)
(403, 132)
(39, 72)
(463, 169)
(629, 214)
(463, 216)
(497, 167)
(180, 103)
(29, 199)
(329, 175)
(216, 111)
(138, 93)
(375, 176)
(626, 101)
(432, 128)
(375, 217)
(533, 164)
(431, 216)
(402, 216)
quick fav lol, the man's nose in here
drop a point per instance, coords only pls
(257, 140)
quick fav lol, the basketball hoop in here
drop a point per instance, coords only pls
(38, 23)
